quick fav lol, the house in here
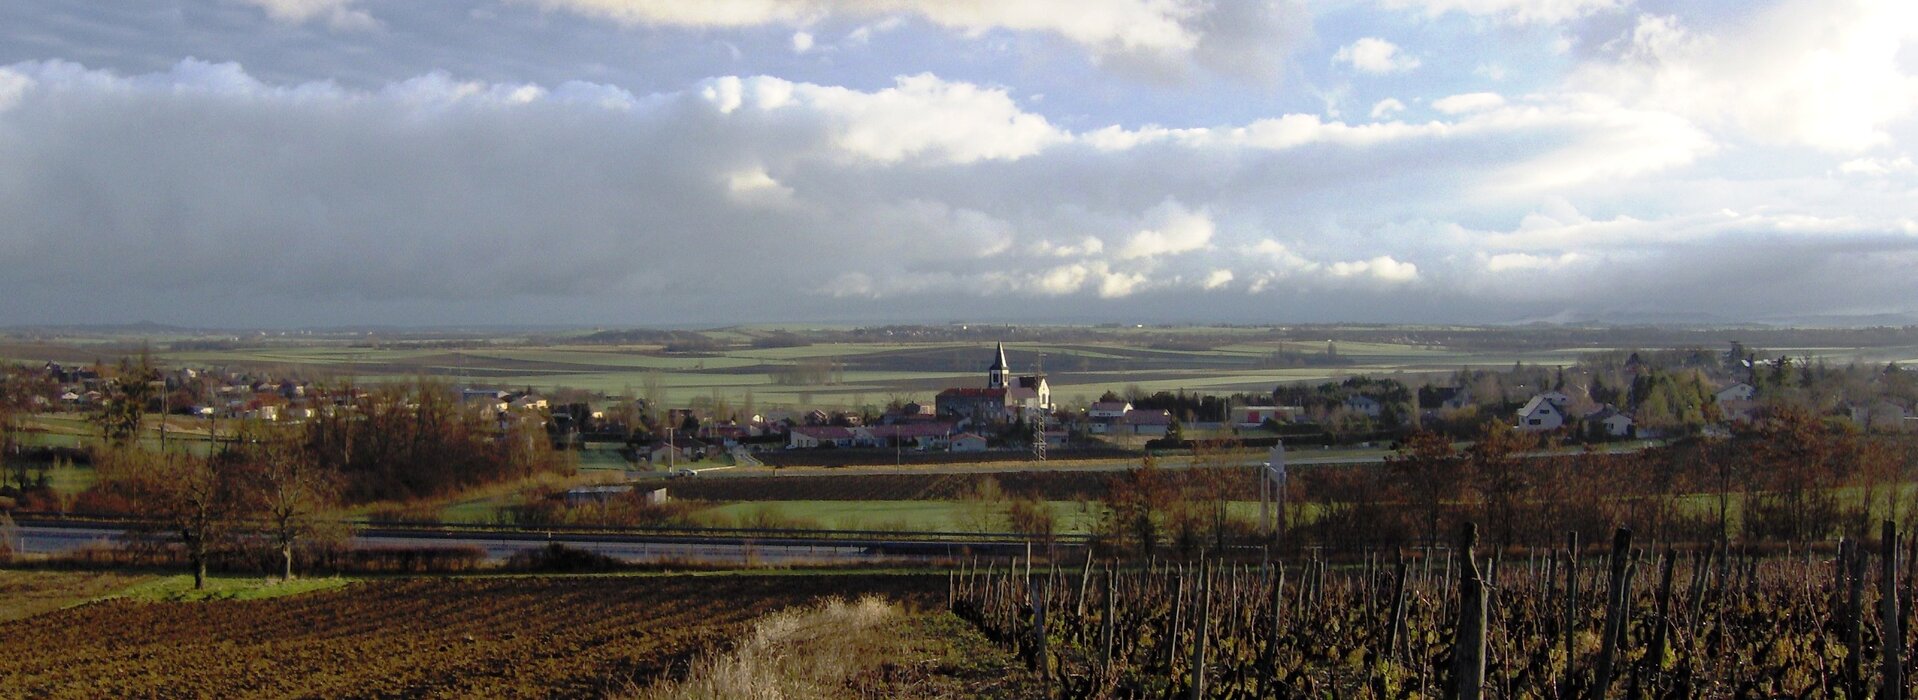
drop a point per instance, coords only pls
(1108, 410)
(1366, 405)
(1736, 392)
(811, 436)
(968, 442)
(1148, 422)
(1540, 415)
(920, 436)
(1878, 416)
(1558, 398)
(1254, 416)
(1610, 422)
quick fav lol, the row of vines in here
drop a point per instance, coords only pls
(1573, 622)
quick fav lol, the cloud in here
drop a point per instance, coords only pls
(338, 14)
(1160, 34)
(1829, 75)
(1386, 108)
(231, 199)
(1175, 230)
(802, 42)
(921, 118)
(1855, 166)
(1512, 11)
(1382, 268)
(1376, 56)
(1468, 102)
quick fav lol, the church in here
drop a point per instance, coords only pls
(1005, 398)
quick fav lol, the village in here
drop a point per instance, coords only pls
(1641, 396)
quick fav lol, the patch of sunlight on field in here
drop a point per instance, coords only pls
(179, 588)
(928, 516)
(561, 359)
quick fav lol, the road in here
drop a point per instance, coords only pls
(61, 538)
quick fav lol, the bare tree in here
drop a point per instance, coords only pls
(289, 487)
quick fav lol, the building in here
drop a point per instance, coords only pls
(1736, 392)
(1254, 416)
(1610, 422)
(1366, 405)
(968, 442)
(1540, 415)
(1150, 422)
(1004, 399)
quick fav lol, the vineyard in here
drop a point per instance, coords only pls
(492, 637)
(1575, 622)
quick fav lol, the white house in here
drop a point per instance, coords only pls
(968, 442)
(1110, 410)
(1366, 405)
(1611, 422)
(1736, 392)
(1540, 415)
(809, 436)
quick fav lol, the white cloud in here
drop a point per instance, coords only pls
(921, 118)
(1386, 108)
(1504, 262)
(1512, 11)
(1106, 26)
(1855, 166)
(1376, 56)
(1174, 229)
(1217, 279)
(757, 188)
(1830, 75)
(339, 14)
(802, 42)
(1383, 268)
(1468, 102)
(13, 85)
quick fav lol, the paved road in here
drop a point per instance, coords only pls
(44, 538)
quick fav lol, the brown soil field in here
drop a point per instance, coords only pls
(425, 637)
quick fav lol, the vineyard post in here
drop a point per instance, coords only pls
(1178, 613)
(1039, 637)
(1106, 623)
(1468, 646)
(1569, 629)
(1269, 665)
(1890, 632)
(1662, 633)
(1199, 639)
(1395, 627)
(1852, 560)
(1615, 602)
(1085, 577)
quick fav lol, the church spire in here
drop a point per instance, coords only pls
(996, 374)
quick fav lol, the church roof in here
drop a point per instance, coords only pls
(999, 364)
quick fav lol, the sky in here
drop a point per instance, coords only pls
(660, 162)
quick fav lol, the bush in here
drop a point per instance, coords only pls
(559, 558)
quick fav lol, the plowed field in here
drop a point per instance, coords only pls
(477, 637)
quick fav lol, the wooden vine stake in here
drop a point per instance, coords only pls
(1894, 678)
(1616, 599)
(1468, 652)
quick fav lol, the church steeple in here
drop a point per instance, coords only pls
(996, 374)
